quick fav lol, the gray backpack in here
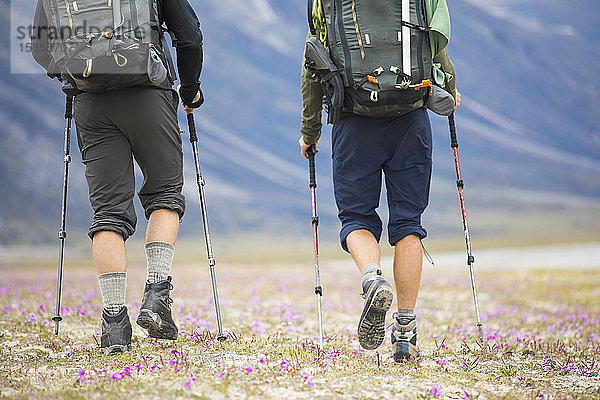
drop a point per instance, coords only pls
(108, 44)
(382, 54)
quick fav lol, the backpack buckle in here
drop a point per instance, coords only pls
(374, 96)
(405, 84)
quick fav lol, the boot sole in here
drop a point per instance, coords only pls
(155, 326)
(116, 349)
(371, 326)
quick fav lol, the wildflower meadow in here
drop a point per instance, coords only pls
(541, 331)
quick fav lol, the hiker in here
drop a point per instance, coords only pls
(126, 108)
(380, 68)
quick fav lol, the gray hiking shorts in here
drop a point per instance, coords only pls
(115, 127)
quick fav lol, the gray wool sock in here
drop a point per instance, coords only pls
(113, 286)
(159, 258)
(405, 315)
(369, 271)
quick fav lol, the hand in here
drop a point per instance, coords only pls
(188, 110)
(457, 100)
(304, 147)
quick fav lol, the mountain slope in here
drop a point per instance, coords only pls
(529, 128)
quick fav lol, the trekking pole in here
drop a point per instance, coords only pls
(211, 259)
(315, 222)
(460, 185)
(62, 233)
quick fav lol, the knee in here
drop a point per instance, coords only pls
(164, 202)
(347, 229)
(110, 225)
(408, 232)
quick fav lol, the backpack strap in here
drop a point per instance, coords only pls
(336, 10)
(155, 23)
(170, 66)
(51, 8)
(134, 19)
(311, 25)
(406, 48)
(116, 11)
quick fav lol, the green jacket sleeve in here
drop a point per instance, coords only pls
(312, 105)
(446, 65)
(439, 36)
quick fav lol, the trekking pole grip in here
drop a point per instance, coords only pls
(69, 107)
(311, 165)
(192, 127)
(454, 141)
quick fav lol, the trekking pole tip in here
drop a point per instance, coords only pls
(56, 319)
(221, 337)
(479, 328)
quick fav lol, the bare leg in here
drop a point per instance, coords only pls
(163, 226)
(364, 248)
(109, 252)
(408, 262)
(110, 258)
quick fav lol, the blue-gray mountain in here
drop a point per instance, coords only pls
(529, 127)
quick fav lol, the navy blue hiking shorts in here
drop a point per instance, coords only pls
(363, 148)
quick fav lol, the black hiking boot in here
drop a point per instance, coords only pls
(116, 332)
(404, 340)
(378, 295)
(155, 313)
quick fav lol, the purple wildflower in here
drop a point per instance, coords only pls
(436, 391)
(249, 370)
(31, 318)
(81, 374)
(117, 376)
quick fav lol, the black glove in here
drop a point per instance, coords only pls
(188, 94)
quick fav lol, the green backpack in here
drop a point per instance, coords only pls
(108, 44)
(381, 51)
